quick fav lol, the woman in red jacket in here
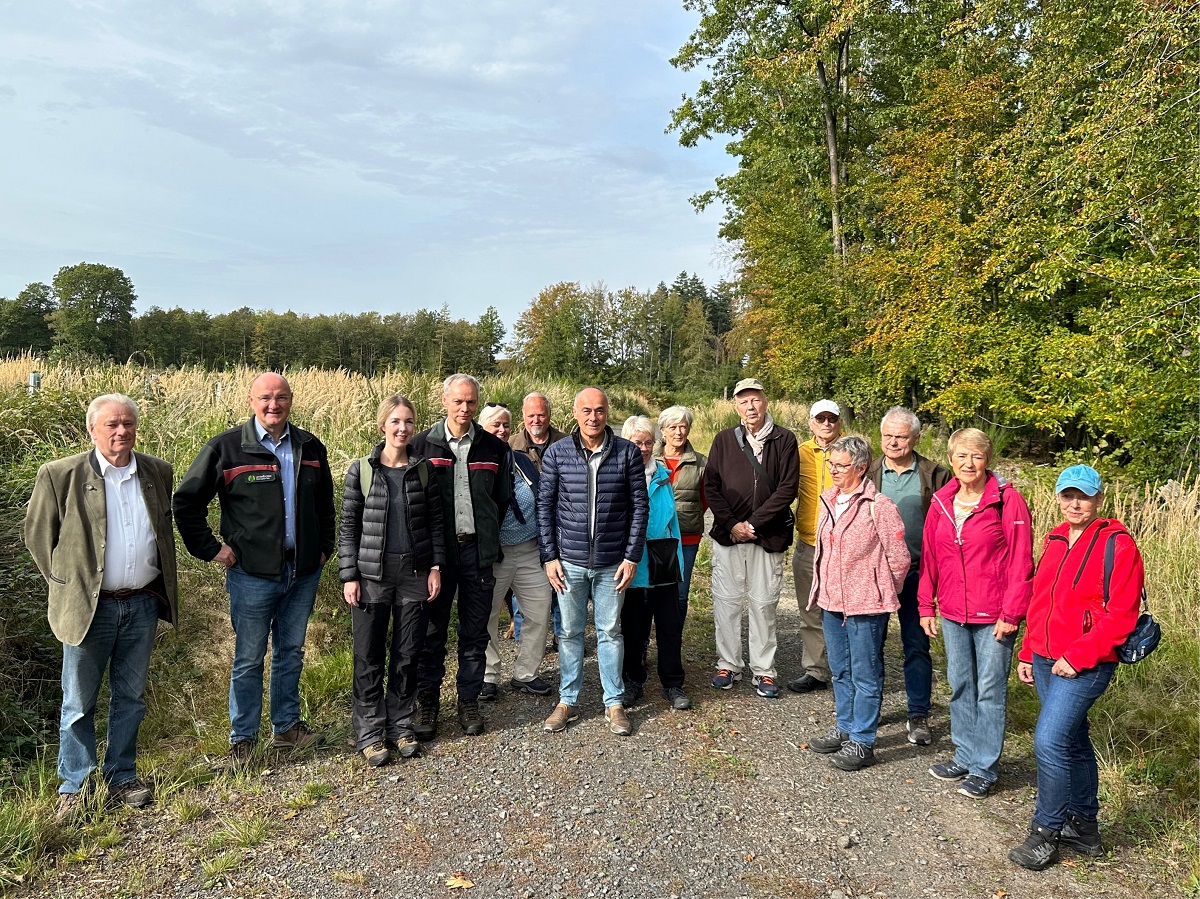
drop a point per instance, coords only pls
(977, 571)
(1086, 596)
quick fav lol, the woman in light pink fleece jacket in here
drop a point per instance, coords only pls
(860, 566)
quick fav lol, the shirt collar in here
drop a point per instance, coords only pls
(912, 466)
(469, 436)
(105, 465)
(263, 433)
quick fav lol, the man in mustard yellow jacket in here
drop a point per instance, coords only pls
(825, 422)
(99, 529)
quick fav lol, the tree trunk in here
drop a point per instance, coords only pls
(831, 148)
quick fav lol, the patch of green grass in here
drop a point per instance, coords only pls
(216, 870)
(240, 832)
(188, 811)
(309, 795)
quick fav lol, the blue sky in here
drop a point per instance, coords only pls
(343, 156)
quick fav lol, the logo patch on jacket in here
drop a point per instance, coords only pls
(260, 478)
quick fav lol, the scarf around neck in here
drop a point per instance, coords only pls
(757, 441)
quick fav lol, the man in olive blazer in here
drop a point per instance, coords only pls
(99, 529)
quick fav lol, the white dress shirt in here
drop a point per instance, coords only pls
(130, 551)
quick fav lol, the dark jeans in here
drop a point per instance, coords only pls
(918, 664)
(685, 586)
(1067, 777)
(474, 586)
(398, 600)
(660, 605)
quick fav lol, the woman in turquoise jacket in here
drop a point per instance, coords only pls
(654, 597)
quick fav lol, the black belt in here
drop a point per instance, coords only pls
(466, 538)
(121, 594)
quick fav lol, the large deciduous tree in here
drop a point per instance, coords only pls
(95, 311)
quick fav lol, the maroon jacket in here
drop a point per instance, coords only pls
(735, 492)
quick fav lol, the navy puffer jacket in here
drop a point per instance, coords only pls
(622, 505)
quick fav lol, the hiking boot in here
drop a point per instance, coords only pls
(299, 736)
(1039, 851)
(489, 692)
(132, 793)
(725, 679)
(562, 714)
(618, 721)
(376, 755)
(1081, 835)
(632, 695)
(828, 742)
(678, 699)
(950, 770)
(470, 719)
(765, 686)
(428, 705)
(974, 787)
(806, 683)
(69, 809)
(853, 756)
(918, 730)
(241, 753)
(535, 686)
(405, 747)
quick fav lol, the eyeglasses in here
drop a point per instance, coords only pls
(503, 406)
(825, 419)
(838, 467)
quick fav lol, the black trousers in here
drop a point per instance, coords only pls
(474, 586)
(397, 601)
(660, 606)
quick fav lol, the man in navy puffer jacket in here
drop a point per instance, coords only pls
(592, 512)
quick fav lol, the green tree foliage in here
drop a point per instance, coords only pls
(95, 311)
(24, 321)
(985, 211)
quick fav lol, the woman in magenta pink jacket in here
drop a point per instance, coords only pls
(977, 571)
(860, 565)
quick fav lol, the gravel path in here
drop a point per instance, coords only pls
(722, 801)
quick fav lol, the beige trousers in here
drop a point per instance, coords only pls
(522, 572)
(812, 634)
(746, 580)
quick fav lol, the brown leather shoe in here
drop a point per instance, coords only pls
(557, 722)
(618, 721)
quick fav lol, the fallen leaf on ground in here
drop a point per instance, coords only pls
(458, 881)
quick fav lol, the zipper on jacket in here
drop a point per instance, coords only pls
(1054, 585)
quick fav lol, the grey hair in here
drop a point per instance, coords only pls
(638, 424)
(115, 399)
(856, 448)
(971, 438)
(448, 384)
(906, 415)
(536, 395)
(674, 415)
(491, 413)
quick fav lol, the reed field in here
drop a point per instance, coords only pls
(1145, 727)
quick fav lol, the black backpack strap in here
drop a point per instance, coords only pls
(762, 472)
(1110, 555)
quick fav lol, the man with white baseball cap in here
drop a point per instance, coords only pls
(825, 422)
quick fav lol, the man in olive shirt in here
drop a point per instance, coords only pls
(537, 433)
(909, 480)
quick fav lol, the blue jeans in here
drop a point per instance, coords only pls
(918, 664)
(119, 639)
(1067, 777)
(598, 585)
(853, 644)
(685, 587)
(977, 666)
(260, 608)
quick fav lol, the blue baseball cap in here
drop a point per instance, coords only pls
(1082, 477)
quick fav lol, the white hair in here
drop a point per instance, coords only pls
(638, 424)
(111, 399)
(448, 384)
(906, 415)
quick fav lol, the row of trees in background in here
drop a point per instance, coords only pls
(678, 338)
(660, 339)
(979, 209)
(87, 311)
